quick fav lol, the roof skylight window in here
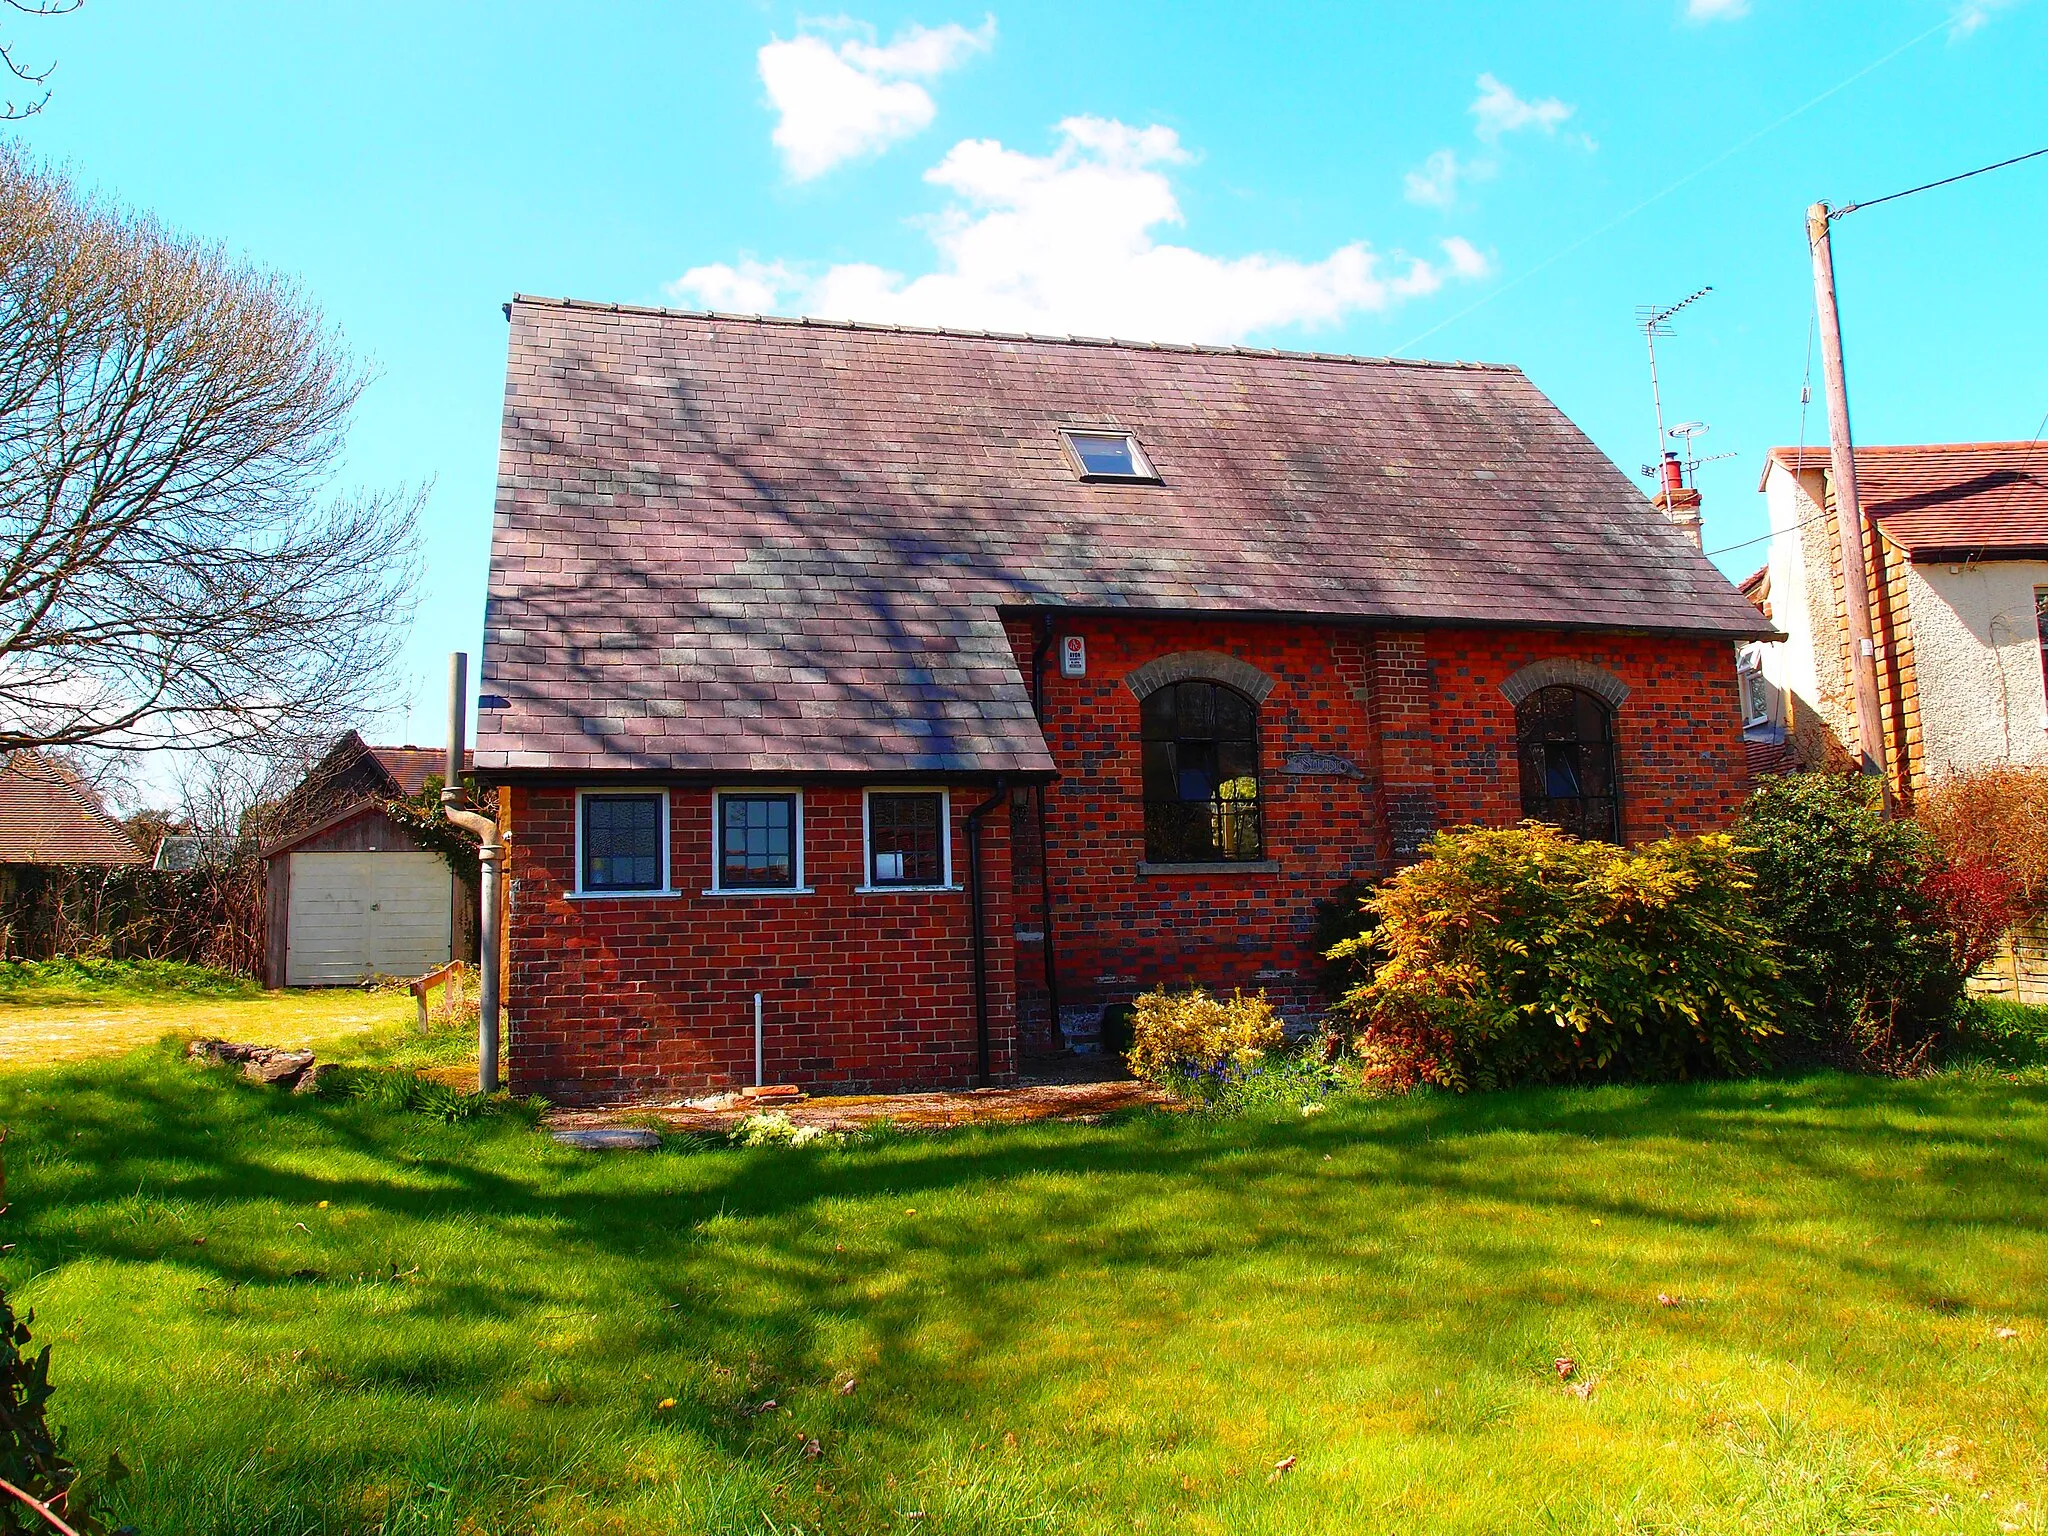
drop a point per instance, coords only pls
(1108, 456)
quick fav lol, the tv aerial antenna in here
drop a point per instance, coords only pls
(1690, 458)
(1655, 321)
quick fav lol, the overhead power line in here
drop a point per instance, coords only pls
(1656, 197)
(1892, 197)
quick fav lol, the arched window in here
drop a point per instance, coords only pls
(1565, 738)
(1201, 774)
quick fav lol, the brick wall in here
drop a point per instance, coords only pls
(1678, 735)
(1369, 741)
(1421, 718)
(614, 997)
(1118, 932)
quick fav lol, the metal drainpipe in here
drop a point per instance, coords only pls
(456, 807)
(978, 921)
(1052, 978)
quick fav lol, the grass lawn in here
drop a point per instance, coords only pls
(69, 1010)
(294, 1316)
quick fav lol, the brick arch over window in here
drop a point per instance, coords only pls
(1563, 673)
(1209, 666)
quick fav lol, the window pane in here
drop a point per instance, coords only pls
(757, 842)
(2041, 628)
(621, 842)
(1201, 775)
(1159, 779)
(1104, 454)
(1233, 715)
(1161, 722)
(1566, 751)
(906, 839)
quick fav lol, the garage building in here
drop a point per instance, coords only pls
(350, 894)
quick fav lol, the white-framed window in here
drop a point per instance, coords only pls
(757, 842)
(1105, 453)
(907, 840)
(621, 842)
(1755, 687)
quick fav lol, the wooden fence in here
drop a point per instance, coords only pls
(2019, 969)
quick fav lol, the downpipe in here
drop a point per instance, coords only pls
(978, 923)
(456, 807)
(1055, 1035)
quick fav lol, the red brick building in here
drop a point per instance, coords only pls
(945, 688)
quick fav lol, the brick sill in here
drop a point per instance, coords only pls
(1221, 867)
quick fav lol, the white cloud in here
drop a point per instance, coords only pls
(1972, 14)
(1467, 260)
(751, 288)
(1067, 242)
(1499, 110)
(834, 104)
(1435, 183)
(1715, 10)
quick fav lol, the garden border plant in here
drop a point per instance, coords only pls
(1524, 955)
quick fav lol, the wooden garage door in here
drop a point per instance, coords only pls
(354, 915)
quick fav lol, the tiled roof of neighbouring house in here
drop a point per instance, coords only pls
(47, 816)
(1937, 500)
(732, 545)
(410, 766)
(352, 776)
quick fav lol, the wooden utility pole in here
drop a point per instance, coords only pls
(1848, 504)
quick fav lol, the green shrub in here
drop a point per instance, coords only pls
(32, 1454)
(1195, 1043)
(395, 1089)
(1279, 1082)
(1867, 956)
(1522, 955)
(1999, 1032)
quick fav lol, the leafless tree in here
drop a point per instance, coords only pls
(12, 111)
(175, 569)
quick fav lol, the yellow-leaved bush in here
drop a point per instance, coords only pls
(1523, 955)
(1192, 1034)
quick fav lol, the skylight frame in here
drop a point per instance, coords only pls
(1142, 473)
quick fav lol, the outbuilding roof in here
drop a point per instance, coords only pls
(740, 545)
(1941, 501)
(48, 816)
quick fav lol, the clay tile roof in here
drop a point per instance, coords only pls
(410, 766)
(47, 816)
(1943, 500)
(737, 545)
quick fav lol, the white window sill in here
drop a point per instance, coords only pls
(1216, 867)
(904, 890)
(766, 890)
(622, 895)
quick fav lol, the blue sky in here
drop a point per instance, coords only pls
(1369, 178)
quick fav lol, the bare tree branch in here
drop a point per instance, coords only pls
(174, 569)
(10, 112)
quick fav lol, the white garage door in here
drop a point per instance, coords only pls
(354, 915)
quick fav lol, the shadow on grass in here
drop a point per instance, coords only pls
(934, 1264)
